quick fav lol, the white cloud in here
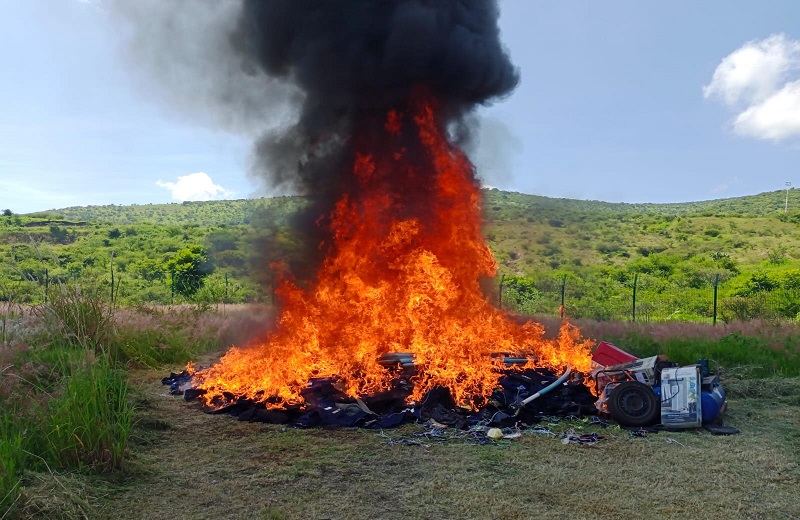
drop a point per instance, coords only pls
(760, 81)
(775, 118)
(195, 186)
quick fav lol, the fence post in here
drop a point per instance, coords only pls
(46, 284)
(716, 292)
(500, 295)
(172, 287)
(111, 265)
(563, 293)
(635, 283)
(225, 296)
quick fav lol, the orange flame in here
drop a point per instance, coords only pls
(402, 275)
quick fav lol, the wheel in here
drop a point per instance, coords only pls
(634, 404)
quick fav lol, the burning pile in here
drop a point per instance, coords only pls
(402, 276)
(386, 90)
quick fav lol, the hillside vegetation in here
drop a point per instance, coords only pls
(595, 251)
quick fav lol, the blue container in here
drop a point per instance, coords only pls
(712, 401)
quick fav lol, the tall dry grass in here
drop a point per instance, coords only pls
(154, 336)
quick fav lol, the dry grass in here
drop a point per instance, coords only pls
(773, 332)
(191, 465)
(228, 324)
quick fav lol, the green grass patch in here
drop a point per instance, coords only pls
(753, 356)
(89, 422)
(62, 410)
(11, 460)
(81, 313)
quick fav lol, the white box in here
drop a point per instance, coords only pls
(681, 406)
(642, 369)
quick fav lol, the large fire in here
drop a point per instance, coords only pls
(402, 275)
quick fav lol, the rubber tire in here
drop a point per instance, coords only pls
(634, 404)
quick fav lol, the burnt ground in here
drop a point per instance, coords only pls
(187, 464)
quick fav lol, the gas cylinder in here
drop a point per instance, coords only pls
(712, 398)
(712, 395)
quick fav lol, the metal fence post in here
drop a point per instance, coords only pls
(111, 265)
(563, 293)
(716, 293)
(635, 283)
(500, 295)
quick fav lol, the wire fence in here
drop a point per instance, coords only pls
(646, 298)
(642, 298)
(122, 288)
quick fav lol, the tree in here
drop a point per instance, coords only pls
(521, 292)
(150, 270)
(7, 213)
(758, 282)
(189, 269)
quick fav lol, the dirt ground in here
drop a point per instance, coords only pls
(187, 464)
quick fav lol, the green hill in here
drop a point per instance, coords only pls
(530, 232)
(501, 204)
(763, 204)
(204, 214)
(600, 247)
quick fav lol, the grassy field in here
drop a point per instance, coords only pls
(191, 465)
(180, 462)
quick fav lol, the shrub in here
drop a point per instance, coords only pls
(520, 293)
(744, 308)
(188, 270)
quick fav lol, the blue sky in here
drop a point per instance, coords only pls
(630, 101)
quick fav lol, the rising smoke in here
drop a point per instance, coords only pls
(299, 74)
(299, 71)
(350, 56)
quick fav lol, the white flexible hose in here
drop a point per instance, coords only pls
(546, 389)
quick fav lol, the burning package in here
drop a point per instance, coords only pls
(523, 396)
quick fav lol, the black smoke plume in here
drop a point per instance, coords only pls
(352, 56)
(333, 62)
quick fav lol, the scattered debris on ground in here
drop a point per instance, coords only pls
(642, 395)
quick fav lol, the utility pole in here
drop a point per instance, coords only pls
(786, 204)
